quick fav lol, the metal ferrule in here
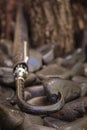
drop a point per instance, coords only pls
(20, 71)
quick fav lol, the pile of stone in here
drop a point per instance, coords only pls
(48, 75)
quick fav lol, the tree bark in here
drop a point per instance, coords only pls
(79, 9)
(50, 21)
(7, 17)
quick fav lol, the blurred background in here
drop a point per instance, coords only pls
(57, 22)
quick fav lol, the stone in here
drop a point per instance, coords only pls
(83, 87)
(34, 119)
(79, 79)
(5, 61)
(72, 110)
(35, 61)
(6, 47)
(53, 122)
(85, 69)
(6, 94)
(33, 123)
(27, 95)
(10, 118)
(35, 127)
(77, 69)
(6, 76)
(36, 91)
(59, 61)
(71, 60)
(52, 70)
(31, 77)
(80, 124)
(68, 89)
(39, 101)
(82, 81)
(49, 54)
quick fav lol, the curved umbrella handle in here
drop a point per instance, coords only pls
(33, 109)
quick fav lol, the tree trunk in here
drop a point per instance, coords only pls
(79, 13)
(7, 17)
(50, 21)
